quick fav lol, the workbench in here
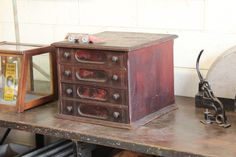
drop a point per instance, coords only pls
(176, 134)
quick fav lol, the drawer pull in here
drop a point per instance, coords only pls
(69, 91)
(114, 59)
(93, 112)
(91, 75)
(67, 73)
(116, 115)
(92, 93)
(90, 57)
(116, 96)
(69, 108)
(66, 55)
(115, 77)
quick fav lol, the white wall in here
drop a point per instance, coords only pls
(200, 24)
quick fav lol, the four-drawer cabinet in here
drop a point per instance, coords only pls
(125, 81)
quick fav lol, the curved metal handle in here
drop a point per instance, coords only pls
(77, 75)
(197, 66)
(90, 116)
(90, 62)
(89, 97)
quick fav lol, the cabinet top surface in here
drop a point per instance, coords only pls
(17, 48)
(120, 41)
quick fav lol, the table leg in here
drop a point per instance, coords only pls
(83, 149)
(39, 140)
(5, 136)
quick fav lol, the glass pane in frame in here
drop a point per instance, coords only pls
(39, 81)
(83, 56)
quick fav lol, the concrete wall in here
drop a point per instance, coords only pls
(200, 24)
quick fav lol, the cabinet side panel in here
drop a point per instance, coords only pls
(151, 79)
(59, 80)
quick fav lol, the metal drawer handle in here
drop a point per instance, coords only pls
(77, 75)
(90, 62)
(66, 55)
(116, 96)
(67, 73)
(116, 115)
(90, 57)
(69, 91)
(69, 108)
(114, 59)
(115, 77)
(90, 97)
(91, 116)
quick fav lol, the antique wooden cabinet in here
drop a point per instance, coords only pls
(125, 81)
(27, 76)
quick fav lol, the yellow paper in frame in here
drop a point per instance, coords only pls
(10, 80)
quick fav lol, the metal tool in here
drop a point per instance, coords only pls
(206, 98)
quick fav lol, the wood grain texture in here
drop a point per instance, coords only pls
(151, 79)
(144, 71)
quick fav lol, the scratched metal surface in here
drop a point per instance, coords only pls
(176, 134)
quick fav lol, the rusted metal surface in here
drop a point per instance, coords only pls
(176, 134)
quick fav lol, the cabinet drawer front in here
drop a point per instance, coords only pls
(101, 112)
(92, 57)
(68, 107)
(94, 93)
(91, 75)
(101, 94)
(102, 76)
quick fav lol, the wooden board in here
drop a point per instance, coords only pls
(121, 41)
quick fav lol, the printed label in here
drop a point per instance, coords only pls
(10, 80)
